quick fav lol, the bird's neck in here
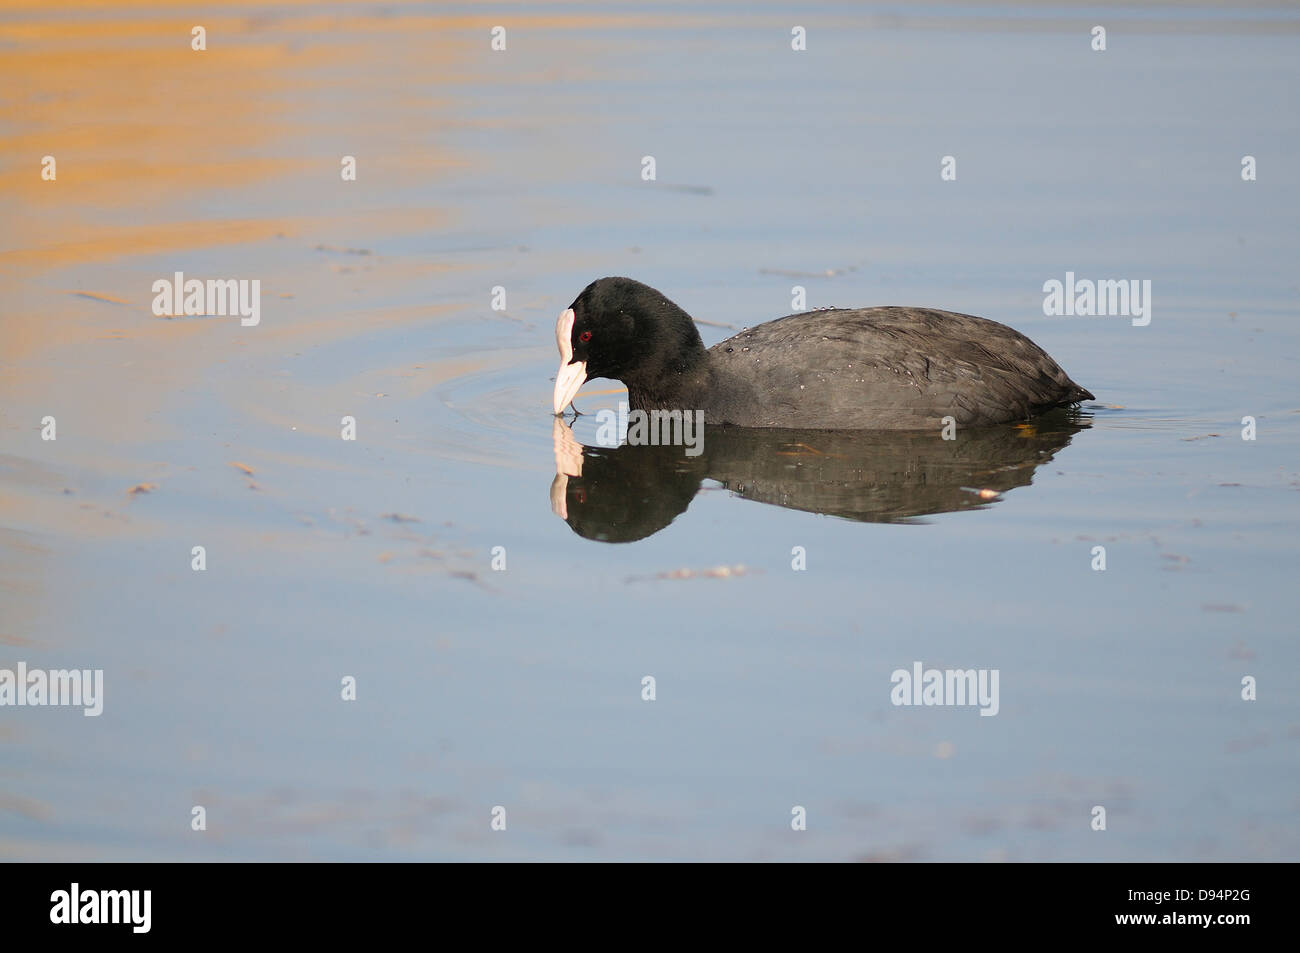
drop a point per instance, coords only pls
(679, 380)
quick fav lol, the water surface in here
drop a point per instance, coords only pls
(522, 688)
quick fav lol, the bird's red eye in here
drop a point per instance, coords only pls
(584, 337)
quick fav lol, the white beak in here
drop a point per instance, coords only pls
(572, 374)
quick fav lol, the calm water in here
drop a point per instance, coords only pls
(523, 688)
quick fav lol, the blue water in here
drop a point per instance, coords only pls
(523, 688)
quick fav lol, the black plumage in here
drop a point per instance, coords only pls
(888, 368)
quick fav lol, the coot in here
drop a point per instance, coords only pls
(864, 369)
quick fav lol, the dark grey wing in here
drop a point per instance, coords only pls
(885, 368)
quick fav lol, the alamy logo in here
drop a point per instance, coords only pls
(82, 688)
(1085, 297)
(651, 428)
(103, 906)
(217, 297)
(952, 686)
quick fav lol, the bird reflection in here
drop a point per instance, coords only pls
(625, 493)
